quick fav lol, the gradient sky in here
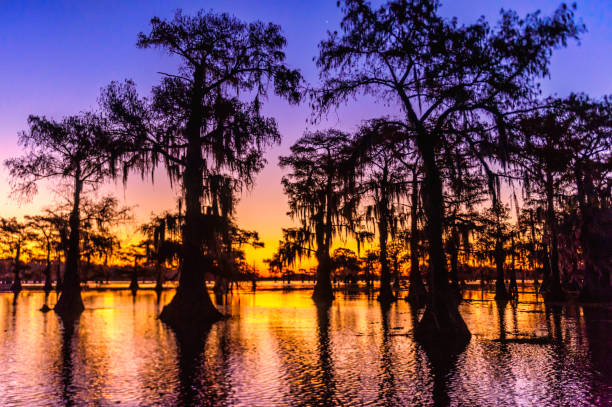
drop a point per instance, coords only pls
(56, 55)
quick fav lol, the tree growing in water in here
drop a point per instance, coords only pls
(162, 242)
(383, 179)
(16, 238)
(75, 150)
(47, 239)
(542, 158)
(590, 150)
(447, 79)
(320, 198)
(494, 235)
(198, 124)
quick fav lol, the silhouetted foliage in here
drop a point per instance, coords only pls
(200, 124)
(320, 189)
(76, 150)
(448, 79)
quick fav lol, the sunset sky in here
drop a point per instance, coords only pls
(56, 55)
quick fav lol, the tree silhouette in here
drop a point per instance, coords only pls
(345, 265)
(162, 242)
(47, 239)
(74, 150)
(416, 290)
(383, 179)
(464, 190)
(198, 125)
(320, 198)
(447, 79)
(99, 240)
(589, 149)
(543, 158)
(494, 235)
(16, 237)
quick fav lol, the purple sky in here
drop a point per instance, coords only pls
(56, 55)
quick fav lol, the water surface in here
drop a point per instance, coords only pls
(278, 349)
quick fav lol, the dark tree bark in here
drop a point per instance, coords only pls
(596, 285)
(441, 321)
(534, 251)
(48, 284)
(416, 290)
(323, 292)
(159, 284)
(386, 294)
(134, 282)
(16, 286)
(513, 288)
(191, 305)
(58, 282)
(553, 291)
(70, 302)
(500, 258)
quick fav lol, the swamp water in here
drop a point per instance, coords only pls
(279, 349)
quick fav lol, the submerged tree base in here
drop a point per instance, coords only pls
(190, 313)
(159, 287)
(16, 286)
(554, 293)
(501, 294)
(48, 287)
(70, 305)
(323, 293)
(417, 295)
(442, 326)
(386, 298)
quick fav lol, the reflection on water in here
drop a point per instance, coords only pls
(279, 349)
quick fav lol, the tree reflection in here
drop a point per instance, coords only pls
(387, 388)
(501, 313)
(327, 392)
(194, 381)
(599, 332)
(68, 392)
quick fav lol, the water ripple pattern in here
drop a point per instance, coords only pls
(278, 349)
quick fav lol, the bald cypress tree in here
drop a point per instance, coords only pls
(204, 124)
(383, 180)
(320, 199)
(447, 79)
(78, 152)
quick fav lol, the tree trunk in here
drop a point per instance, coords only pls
(70, 303)
(596, 286)
(416, 291)
(323, 292)
(513, 286)
(396, 273)
(134, 283)
(386, 294)
(441, 324)
(16, 286)
(159, 285)
(553, 289)
(58, 282)
(500, 256)
(534, 263)
(454, 260)
(48, 285)
(191, 307)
